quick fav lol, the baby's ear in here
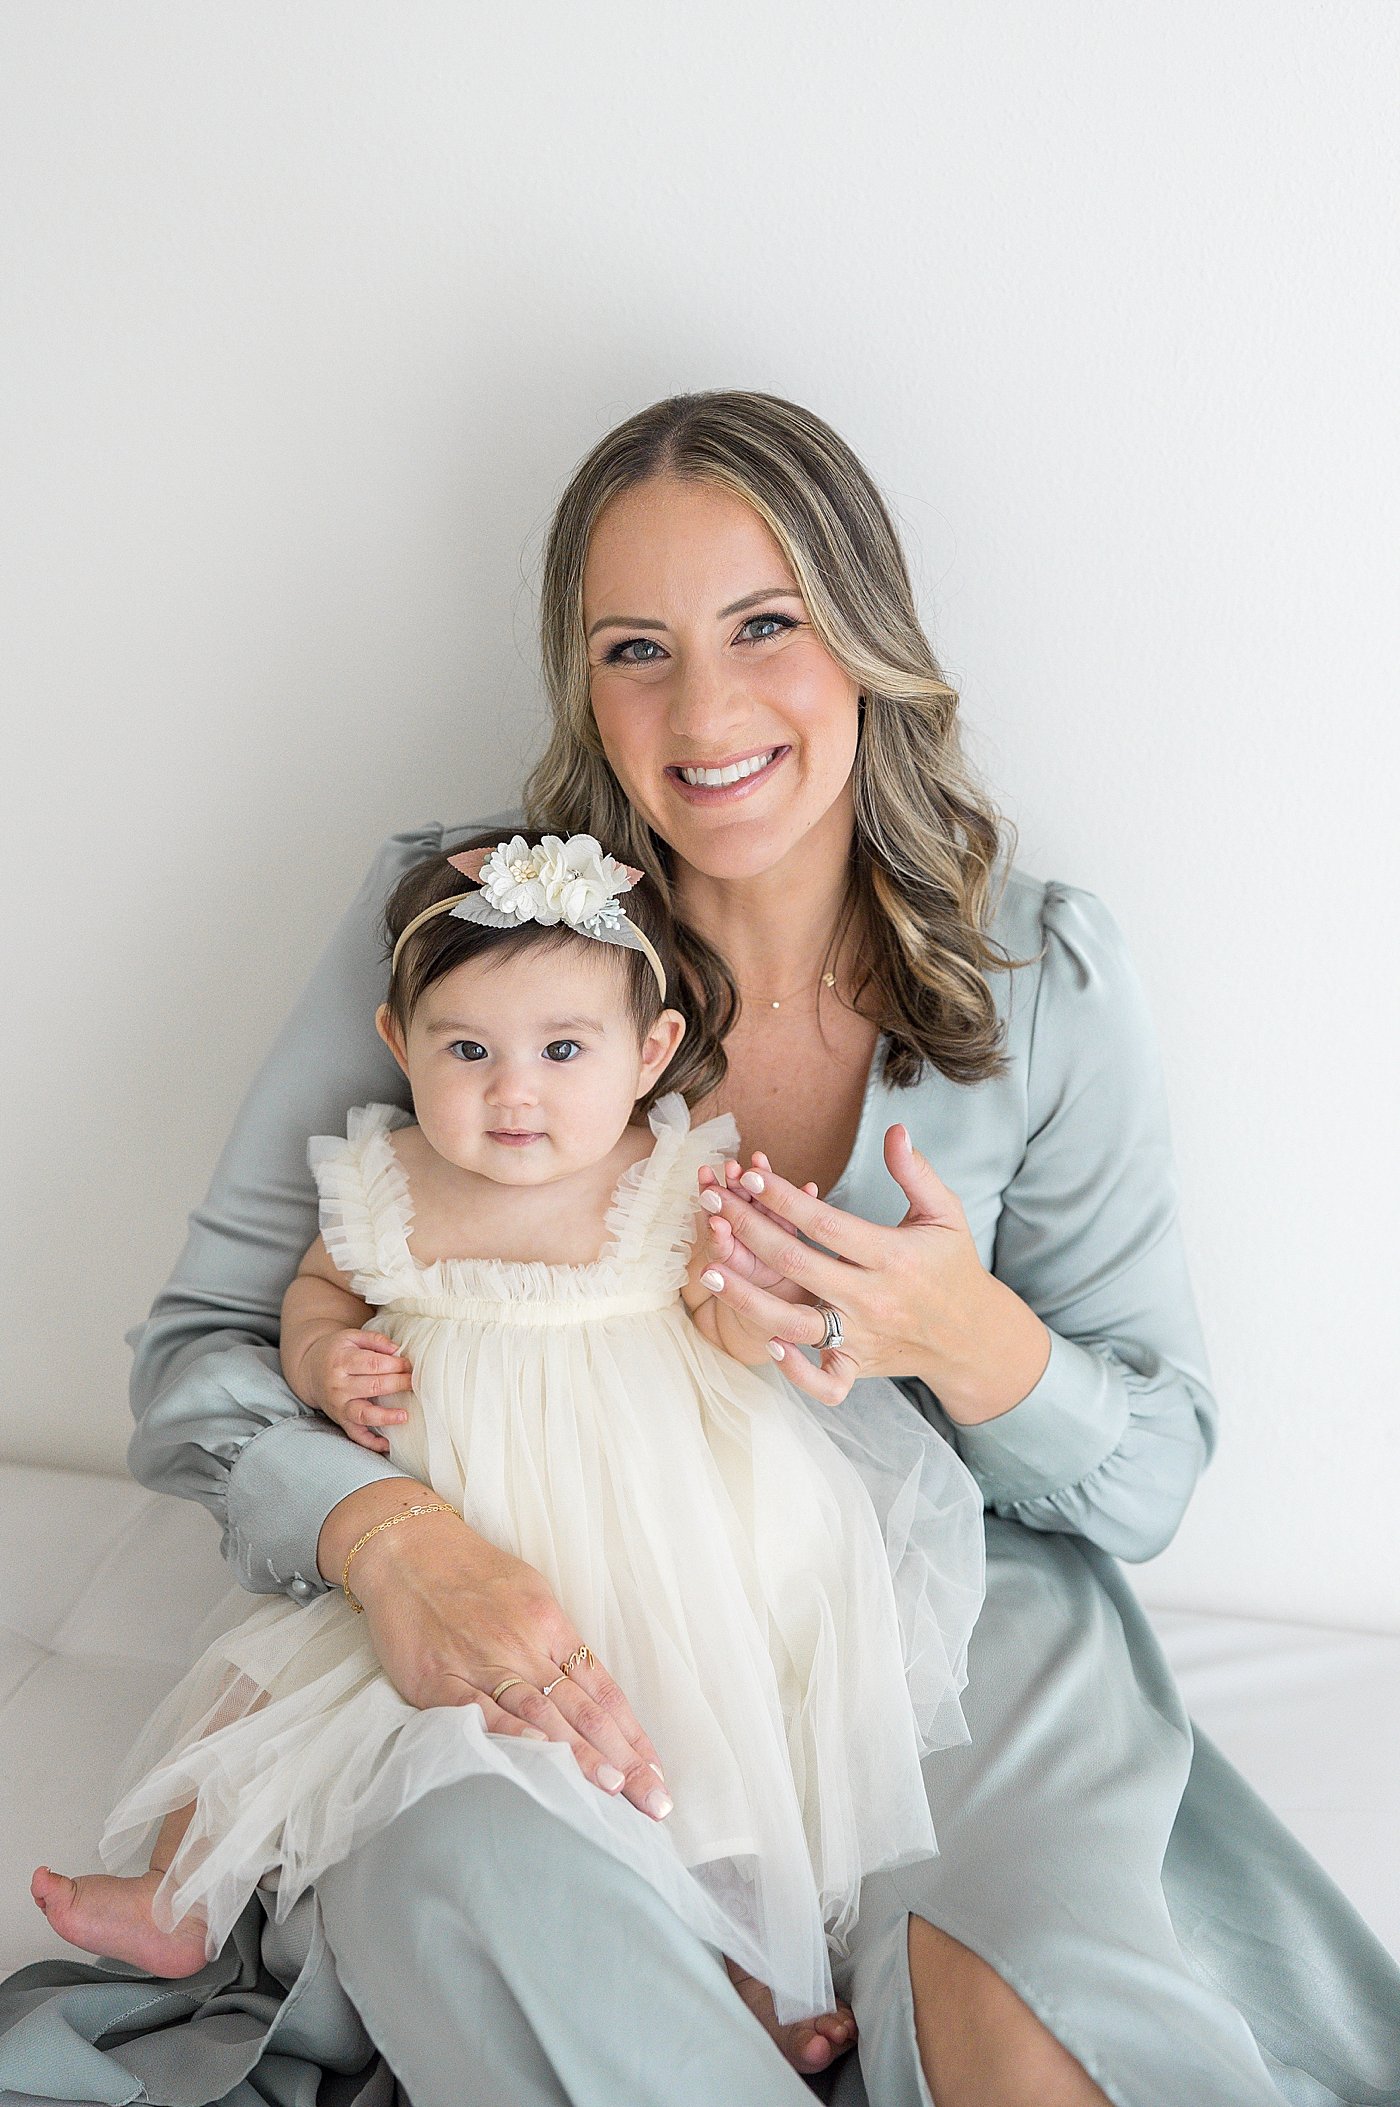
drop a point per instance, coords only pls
(659, 1047)
(388, 1031)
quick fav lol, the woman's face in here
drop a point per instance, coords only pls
(703, 659)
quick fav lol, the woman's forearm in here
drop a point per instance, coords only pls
(994, 1360)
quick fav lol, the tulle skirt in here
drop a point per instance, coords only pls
(784, 1592)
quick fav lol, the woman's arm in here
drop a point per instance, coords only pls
(215, 1420)
(1072, 1377)
(1110, 1442)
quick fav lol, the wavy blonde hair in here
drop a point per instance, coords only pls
(927, 838)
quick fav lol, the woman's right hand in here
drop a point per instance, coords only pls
(451, 1617)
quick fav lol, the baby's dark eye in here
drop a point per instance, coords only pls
(772, 625)
(620, 654)
(562, 1049)
(467, 1050)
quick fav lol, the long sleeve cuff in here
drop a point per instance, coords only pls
(283, 1484)
(1062, 1430)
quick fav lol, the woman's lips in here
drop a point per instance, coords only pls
(725, 793)
(509, 1140)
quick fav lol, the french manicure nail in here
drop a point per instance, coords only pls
(775, 1349)
(751, 1182)
(711, 1201)
(532, 1734)
(712, 1280)
(610, 1777)
(659, 1772)
(658, 1803)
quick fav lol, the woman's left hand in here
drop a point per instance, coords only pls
(914, 1300)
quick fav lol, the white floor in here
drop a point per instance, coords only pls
(104, 1587)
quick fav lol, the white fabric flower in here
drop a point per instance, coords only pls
(569, 881)
(510, 880)
(577, 879)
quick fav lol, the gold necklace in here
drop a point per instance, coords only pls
(828, 980)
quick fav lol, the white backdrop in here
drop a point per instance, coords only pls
(309, 311)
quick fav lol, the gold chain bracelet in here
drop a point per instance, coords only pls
(360, 1542)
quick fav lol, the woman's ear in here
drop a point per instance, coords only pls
(388, 1031)
(658, 1048)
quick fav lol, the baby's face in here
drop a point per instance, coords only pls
(525, 1065)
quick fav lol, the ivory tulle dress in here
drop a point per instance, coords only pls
(784, 1592)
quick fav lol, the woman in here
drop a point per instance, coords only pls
(961, 1059)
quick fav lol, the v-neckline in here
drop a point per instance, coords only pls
(874, 1077)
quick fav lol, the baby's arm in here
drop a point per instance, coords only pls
(331, 1361)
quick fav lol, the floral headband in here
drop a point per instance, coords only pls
(571, 881)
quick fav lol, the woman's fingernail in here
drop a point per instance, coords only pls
(532, 1734)
(712, 1280)
(775, 1349)
(659, 1772)
(658, 1803)
(610, 1777)
(751, 1182)
(711, 1201)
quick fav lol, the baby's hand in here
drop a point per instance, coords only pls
(344, 1372)
(718, 1246)
(723, 1246)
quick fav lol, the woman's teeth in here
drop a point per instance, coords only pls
(735, 773)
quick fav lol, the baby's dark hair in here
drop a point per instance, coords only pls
(445, 942)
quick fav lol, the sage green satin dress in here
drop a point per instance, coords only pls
(1093, 1848)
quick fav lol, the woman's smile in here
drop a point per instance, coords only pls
(724, 782)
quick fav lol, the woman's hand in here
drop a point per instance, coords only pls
(915, 1300)
(452, 1617)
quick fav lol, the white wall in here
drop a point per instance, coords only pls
(308, 312)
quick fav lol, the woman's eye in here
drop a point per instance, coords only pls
(467, 1050)
(562, 1049)
(621, 654)
(770, 625)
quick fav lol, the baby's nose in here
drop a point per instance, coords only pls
(511, 1085)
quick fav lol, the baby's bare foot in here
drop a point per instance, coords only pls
(113, 1917)
(809, 2044)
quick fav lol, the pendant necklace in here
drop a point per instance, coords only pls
(828, 980)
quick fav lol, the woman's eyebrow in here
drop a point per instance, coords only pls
(735, 607)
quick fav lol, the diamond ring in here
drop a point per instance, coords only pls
(833, 1331)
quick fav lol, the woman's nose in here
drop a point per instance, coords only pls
(708, 704)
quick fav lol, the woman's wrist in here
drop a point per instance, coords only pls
(995, 1363)
(365, 1509)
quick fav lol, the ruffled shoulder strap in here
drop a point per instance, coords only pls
(652, 1216)
(366, 1208)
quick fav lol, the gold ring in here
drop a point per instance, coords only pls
(581, 1657)
(554, 1685)
(504, 1684)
